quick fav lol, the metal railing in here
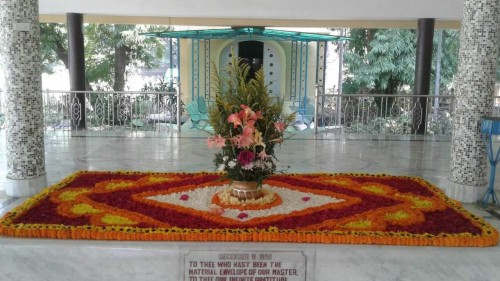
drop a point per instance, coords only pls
(112, 112)
(385, 114)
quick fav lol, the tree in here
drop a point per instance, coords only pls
(54, 46)
(109, 51)
(449, 57)
(116, 47)
(382, 61)
(379, 61)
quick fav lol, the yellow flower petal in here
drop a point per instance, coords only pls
(71, 195)
(116, 220)
(359, 224)
(82, 209)
(373, 189)
(399, 215)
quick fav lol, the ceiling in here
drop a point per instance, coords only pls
(296, 13)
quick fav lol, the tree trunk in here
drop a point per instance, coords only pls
(121, 61)
(62, 54)
(437, 79)
(369, 37)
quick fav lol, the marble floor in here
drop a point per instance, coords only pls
(45, 259)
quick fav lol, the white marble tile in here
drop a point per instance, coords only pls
(39, 259)
(100, 260)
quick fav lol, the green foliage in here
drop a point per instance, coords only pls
(382, 61)
(449, 57)
(104, 43)
(54, 46)
(110, 50)
(231, 91)
(163, 100)
(379, 61)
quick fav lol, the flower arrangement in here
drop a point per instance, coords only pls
(247, 122)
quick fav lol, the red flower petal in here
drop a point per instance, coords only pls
(184, 197)
(243, 215)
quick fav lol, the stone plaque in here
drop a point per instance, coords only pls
(245, 265)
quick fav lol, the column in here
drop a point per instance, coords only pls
(20, 64)
(423, 70)
(479, 41)
(76, 58)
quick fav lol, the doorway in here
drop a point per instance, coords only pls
(251, 53)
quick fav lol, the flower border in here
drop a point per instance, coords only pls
(489, 235)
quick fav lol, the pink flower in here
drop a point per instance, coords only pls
(246, 138)
(245, 157)
(233, 118)
(280, 126)
(250, 124)
(248, 166)
(247, 114)
(217, 141)
(262, 155)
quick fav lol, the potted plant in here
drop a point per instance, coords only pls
(248, 123)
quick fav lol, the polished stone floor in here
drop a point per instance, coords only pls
(38, 259)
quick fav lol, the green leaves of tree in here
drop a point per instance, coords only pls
(382, 61)
(110, 50)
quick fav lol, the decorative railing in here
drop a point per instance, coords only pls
(385, 114)
(112, 111)
(156, 112)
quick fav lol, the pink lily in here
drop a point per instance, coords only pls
(217, 141)
(280, 126)
(246, 138)
(250, 124)
(233, 118)
(247, 113)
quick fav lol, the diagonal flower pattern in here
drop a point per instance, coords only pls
(321, 208)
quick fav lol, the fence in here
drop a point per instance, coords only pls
(112, 112)
(385, 114)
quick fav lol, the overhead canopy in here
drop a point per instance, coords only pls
(247, 33)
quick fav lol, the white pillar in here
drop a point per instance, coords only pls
(20, 64)
(479, 42)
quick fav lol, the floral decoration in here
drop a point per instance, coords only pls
(341, 208)
(247, 123)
